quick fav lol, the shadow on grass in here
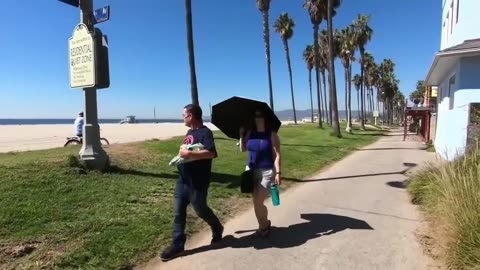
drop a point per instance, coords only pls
(295, 235)
(117, 170)
(225, 139)
(373, 134)
(232, 181)
(308, 145)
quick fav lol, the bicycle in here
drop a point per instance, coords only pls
(79, 140)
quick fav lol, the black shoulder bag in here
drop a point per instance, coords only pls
(247, 181)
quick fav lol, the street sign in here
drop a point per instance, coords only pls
(81, 58)
(101, 15)
(74, 3)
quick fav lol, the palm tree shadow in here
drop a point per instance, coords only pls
(317, 225)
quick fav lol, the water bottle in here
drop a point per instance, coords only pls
(275, 195)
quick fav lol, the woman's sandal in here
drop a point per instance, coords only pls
(264, 233)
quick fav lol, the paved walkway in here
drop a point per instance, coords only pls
(355, 215)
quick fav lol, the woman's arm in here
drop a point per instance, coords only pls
(244, 135)
(276, 153)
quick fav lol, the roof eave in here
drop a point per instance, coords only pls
(445, 54)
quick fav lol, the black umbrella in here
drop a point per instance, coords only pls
(233, 113)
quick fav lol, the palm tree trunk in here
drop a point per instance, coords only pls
(378, 101)
(311, 94)
(372, 105)
(315, 47)
(325, 99)
(346, 91)
(358, 104)
(287, 53)
(388, 111)
(349, 99)
(362, 112)
(266, 38)
(191, 53)
(333, 87)
(384, 116)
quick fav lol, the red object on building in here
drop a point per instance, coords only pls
(419, 112)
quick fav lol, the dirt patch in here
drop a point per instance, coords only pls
(130, 152)
(34, 254)
(428, 234)
(11, 253)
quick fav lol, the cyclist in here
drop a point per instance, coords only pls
(79, 125)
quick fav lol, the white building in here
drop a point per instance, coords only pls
(456, 72)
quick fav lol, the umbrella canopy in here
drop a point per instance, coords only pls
(233, 113)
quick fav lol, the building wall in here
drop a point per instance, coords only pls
(453, 107)
(456, 29)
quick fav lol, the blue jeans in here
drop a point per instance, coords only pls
(184, 195)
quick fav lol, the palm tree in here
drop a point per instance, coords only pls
(363, 34)
(264, 7)
(389, 84)
(191, 54)
(332, 5)
(323, 52)
(284, 26)
(347, 50)
(369, 69)
(309, 58)
(357, 81)
(337, 44)
(316, 11)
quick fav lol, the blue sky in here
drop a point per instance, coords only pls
(148, 53)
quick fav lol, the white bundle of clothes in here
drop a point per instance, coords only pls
(190, 147)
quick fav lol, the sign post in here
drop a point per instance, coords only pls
(376, 114)
(83, 74)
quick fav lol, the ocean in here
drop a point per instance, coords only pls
(70, 121)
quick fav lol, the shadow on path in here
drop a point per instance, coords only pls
(398, 148)
(398, 184)
(317, 225)
(406, 164)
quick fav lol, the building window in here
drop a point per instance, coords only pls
(458, 7)
(451, 91)
(447, 21)
(451, 19)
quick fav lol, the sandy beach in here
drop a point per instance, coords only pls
(36, 137)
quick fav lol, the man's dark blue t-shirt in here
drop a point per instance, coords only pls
(197, 173)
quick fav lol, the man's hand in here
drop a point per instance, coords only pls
(184, 153)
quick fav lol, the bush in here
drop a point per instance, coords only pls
(451, 194)
(72, 161)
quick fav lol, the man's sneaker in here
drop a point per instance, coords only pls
(171, 252)
(217, 236)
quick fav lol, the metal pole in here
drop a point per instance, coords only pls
(92, 152)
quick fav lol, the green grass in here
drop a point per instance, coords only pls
(78, 219)
(450, 194)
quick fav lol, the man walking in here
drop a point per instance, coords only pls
(193, 182)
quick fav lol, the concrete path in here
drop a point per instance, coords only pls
(354, 215)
